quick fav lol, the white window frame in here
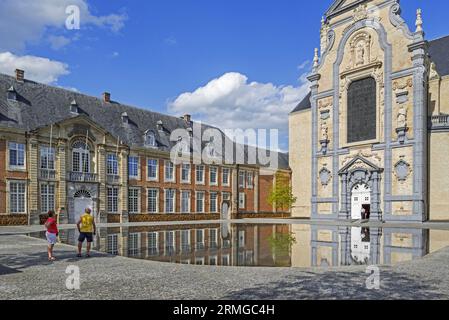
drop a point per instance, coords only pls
(242, 179)
(183, 246)
(242, 200)
(203, 201)
(228, 182)
(227, 197)
(203, 181)
(166, 193)
(84, 157)
(173, 244)
(134, 252)
(213, 245)
(150, 139)
(250, 180)
(134, 177)
(213, 183)
(213, 258)
(153, 179)
(17, 166)
(200, 245)
(168, 163)
(10, 209)
(49, 155)
(157, 200)
(228, 260)
(189, 204)
(200, 261)
(112, 244)
(112, 165)
(188, 181)
(111, 198)
(130, 205)
(216, 202)
(156, 247)
(241, 239)
(47, 195)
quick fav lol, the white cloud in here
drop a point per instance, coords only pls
(232, 102)
(36, 68)
(171, 41)
(58, 42)
(26, 21)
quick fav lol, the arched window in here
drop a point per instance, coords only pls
(362, 113)
(150, 139)
(80, 157)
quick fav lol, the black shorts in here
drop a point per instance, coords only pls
(86, 235)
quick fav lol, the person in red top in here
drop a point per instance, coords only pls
(51, 234)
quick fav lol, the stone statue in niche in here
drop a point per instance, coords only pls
(360, 47)
(402, 117)
(360, 55)
(324, 137)
(324, 131)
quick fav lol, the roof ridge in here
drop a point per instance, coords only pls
(440, 38)
(27, 81)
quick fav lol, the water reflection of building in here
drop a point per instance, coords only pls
(243, 245)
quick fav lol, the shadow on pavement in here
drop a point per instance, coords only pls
(341, 286)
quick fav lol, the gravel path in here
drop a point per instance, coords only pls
(25, 273)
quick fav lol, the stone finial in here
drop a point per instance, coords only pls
(316, 59)
(419, 21)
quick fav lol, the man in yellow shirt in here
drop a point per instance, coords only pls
(87, 229)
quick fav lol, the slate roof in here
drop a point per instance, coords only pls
(439, 53)
(304, 104)
(40, 105)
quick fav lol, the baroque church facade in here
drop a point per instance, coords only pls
(371, 140)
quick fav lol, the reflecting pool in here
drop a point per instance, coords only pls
(263, 245)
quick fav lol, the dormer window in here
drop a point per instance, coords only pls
(160, 126)
(150, 139)
(74, 107)
(125, 118)
(12, 94)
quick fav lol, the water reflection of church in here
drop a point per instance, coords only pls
(346, 246)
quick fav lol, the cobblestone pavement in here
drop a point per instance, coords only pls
(25, 273)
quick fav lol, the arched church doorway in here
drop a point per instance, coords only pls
(360, 201)
(83, 200)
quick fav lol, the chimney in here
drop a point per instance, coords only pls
(20, 75)
(187, 118)
(106, 97)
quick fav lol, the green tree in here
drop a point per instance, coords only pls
(281, 195)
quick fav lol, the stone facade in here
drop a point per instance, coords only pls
(402, 164)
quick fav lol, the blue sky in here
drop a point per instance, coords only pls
(148, 53)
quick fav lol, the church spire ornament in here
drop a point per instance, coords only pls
(316, 60)
(419, 21)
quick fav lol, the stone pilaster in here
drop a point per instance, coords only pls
(235, 193)
(256, 192)
(33, 186)
(123, 198)
(123, 241)
(61, 168)
(375, 238)
(102, 179)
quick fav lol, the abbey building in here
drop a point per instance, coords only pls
(65, 151)
(371, 140)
